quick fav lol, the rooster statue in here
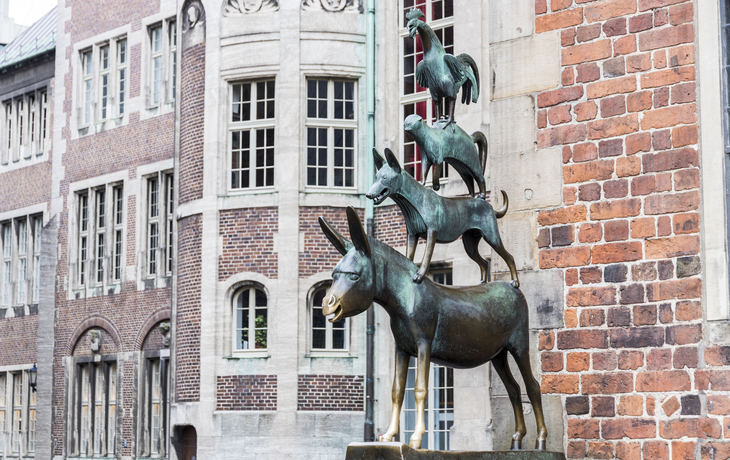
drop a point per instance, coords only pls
(440, 72)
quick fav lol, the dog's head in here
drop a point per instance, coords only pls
(388, 180)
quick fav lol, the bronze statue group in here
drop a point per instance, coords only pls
(460, 327)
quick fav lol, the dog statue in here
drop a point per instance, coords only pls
(453, 146)
(439, 219)
(461, 327)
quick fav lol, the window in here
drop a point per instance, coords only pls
(100, 235)
(439, 413)
(331, 130)
(88, 82)
(163, 62)
(104, 78)
(21, 249)
(24, 126)
(17, 414)
(155, 404)
(160, 201)
(415, 99)
(121, 75)
(251, 319)
(251, 131)
(326, 335)
(94, 414)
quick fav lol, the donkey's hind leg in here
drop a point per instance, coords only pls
(399, 389)
(521, 353)
(471, 246)
(513, 390)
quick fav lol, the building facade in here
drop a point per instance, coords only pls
(164, 269)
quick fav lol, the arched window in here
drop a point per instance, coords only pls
(251, 318)
(326, 335)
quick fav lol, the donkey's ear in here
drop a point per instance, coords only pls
(378, 159)
(392, 160)
(340, 243)
(357, 233)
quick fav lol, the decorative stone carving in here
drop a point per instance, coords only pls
(95, 341)
(193, 14)
(165, 331)
(333, 6)
(239, 7)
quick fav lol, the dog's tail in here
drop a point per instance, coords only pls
(503, 211)
(482, 146)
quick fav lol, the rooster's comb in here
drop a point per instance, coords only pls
(415, 13)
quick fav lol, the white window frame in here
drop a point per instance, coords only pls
(122, 74)
(91, 408)
(105, 61)
(167, 71)
(87, 88)
(329, 327)
(330, 124)
(95, 265)
(250, 291)
(416, 96)
(99, 87)
(17, 414)
(24, 127)
(20, 268)
(253, 126)
(161, 254)
(153, 404)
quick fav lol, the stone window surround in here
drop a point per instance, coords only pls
(73, 289)
(241, 287)
(228, 289)
(143, 426)
(416, 97)
(167, 102)
(331, 123)
(15, 156)
(29, 214)
(73, 382)
(714, 161)
(8, 408)
(164, 220)
(328, 352)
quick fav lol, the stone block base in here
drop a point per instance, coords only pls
(400, 451)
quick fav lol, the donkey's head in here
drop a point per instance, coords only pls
(388, 180)
(354, 277)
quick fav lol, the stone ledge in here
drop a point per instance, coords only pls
(400, 451)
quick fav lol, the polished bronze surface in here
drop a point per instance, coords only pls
(442, 73)
(461, 327)
(400, 451)
(439, 219)
(452, 146)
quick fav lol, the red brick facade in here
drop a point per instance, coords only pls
(390, 226)
(192, 122)
(319, 255)
(628, 237)
(187, 335)
(248, 242)
(331, 392)
(246, 392)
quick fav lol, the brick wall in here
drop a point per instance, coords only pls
(331, 393)
(390, 226)
(18, 340)
(153, 341)
(628, 235)
(248, 242)
(192, 122)
(319, 255)
(246, 392)
(187, 322)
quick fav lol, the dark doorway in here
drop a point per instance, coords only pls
(189, 443)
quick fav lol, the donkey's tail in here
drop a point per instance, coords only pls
(481, 141)
(503, 211)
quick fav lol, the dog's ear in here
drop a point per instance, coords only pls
(357, 232)
(378, 160)
(392, 160)
(340, 243)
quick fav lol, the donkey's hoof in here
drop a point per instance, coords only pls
(541, 444)
(515, 444)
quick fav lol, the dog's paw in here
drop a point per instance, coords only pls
(515, 284)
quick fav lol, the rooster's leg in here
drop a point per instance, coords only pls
(450, 119)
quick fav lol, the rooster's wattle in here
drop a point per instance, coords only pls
(442, 73)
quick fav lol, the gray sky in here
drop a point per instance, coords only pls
(26, 12)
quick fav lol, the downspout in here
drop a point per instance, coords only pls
(369, 432)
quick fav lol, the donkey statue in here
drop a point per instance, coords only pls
(458, 327)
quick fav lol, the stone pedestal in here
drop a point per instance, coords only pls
(400, 451)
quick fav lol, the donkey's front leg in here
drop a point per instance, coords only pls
(399, 389)
(421, 392)
(430, 243)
